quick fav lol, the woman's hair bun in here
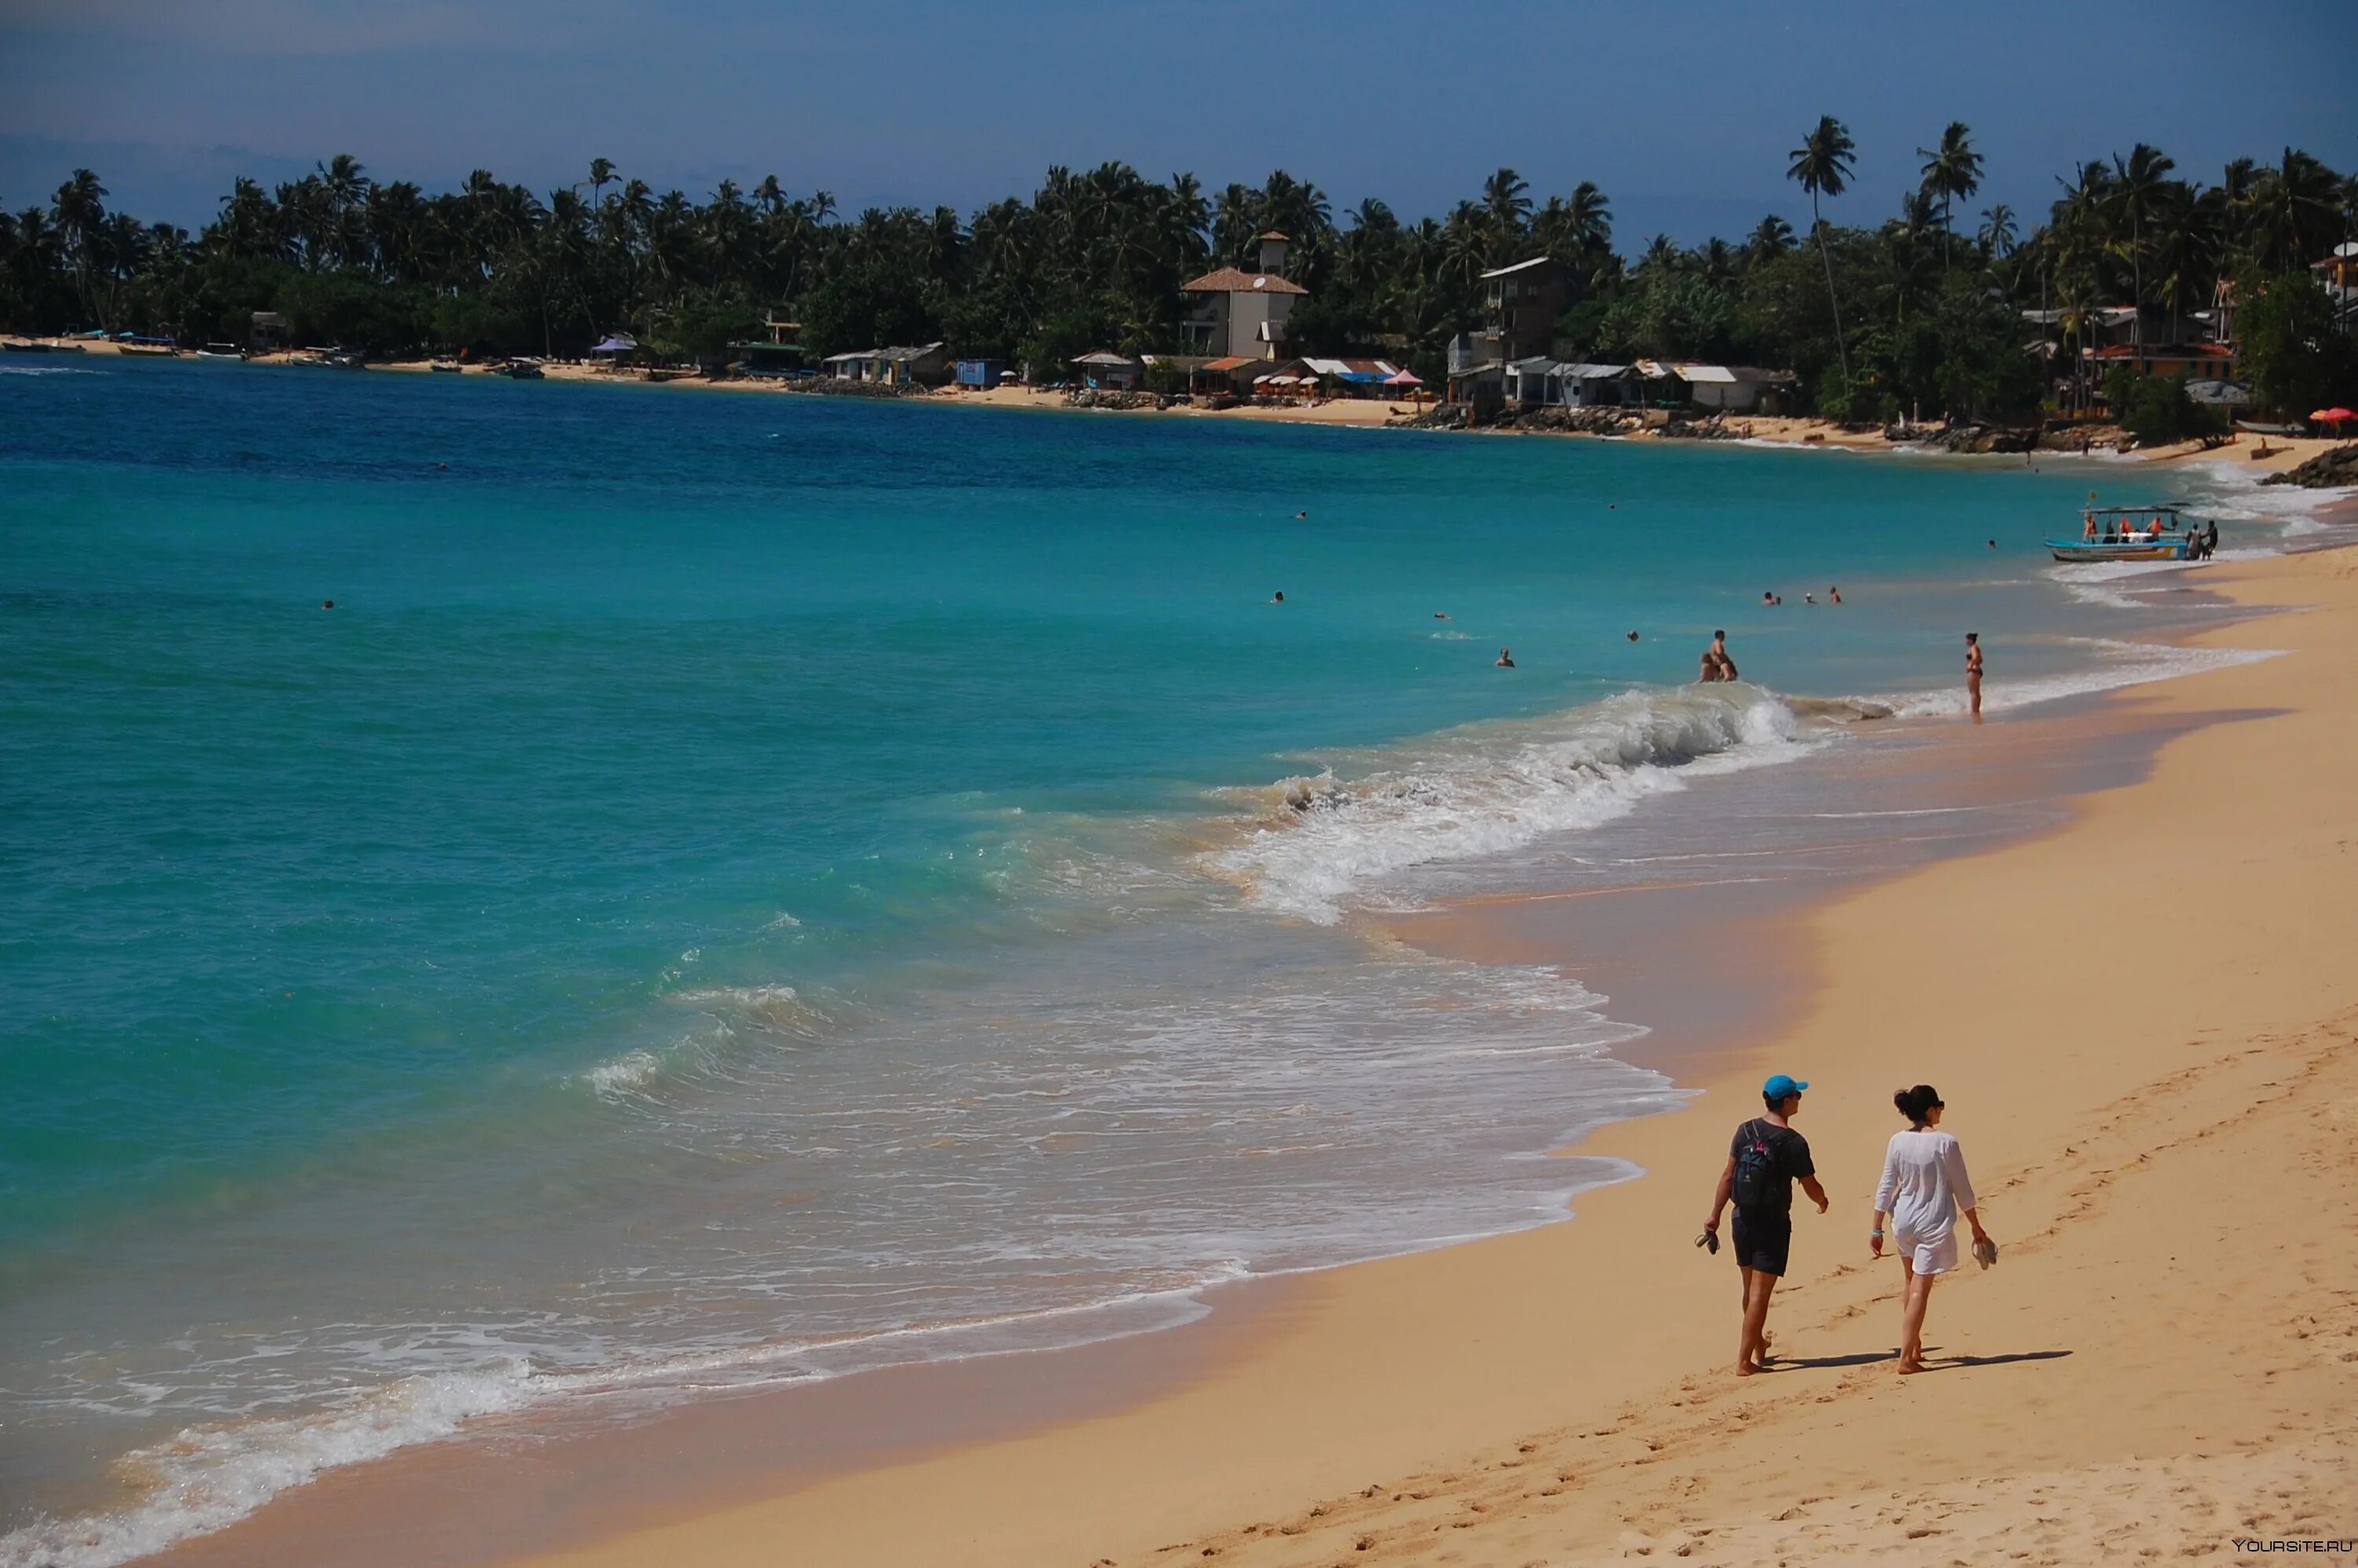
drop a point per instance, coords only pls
(1914, 1103)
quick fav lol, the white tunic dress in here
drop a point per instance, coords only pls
(1924, 1188)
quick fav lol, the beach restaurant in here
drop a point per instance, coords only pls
(1351, 378)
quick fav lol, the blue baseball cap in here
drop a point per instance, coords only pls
(1781, 1086)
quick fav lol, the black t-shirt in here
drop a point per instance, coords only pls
(1788, 1160)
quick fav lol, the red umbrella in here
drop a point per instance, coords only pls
(2333, 416)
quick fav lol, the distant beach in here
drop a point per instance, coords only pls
(2256, 454)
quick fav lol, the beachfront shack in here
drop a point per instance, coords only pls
(925, 364)
(1539, 381)
(270, 333)
(1231, 313)
(1105, 371)
(978, 374)
(1735, 389)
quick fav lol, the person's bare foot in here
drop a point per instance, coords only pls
(1746, 1369)
(1908, 1367)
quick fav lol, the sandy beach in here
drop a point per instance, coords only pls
(2141, 1021)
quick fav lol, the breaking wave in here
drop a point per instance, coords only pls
(1488, 790)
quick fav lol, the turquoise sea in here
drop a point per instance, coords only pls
(744, 887)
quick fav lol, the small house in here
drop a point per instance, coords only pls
(978, 374)
(1106, 371)
(924, 365)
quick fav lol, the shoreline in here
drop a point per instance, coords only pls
(1280, 1368)
(1493, 1389)
(2282, 452)
(556, 1478)
(1298, 1427)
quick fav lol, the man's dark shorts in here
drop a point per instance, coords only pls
(1763, 1241)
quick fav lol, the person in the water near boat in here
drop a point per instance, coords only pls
(1505, 659)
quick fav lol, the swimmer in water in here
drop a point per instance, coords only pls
(327, 604)
(1299, 515)
(1835, 594)
(1719, 653)
(1633, 636)
(1505, 659)
(1809, 599)
(1278, 598)
(1440, 615)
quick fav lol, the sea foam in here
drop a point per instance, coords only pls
(1487, 790)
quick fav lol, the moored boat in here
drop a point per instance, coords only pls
(2135, 533)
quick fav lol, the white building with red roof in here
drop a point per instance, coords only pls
(1232, 312)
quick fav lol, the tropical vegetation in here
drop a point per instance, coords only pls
(1920, 313)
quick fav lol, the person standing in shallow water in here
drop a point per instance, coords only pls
(1923, 1190)
(1764, 1161)
(1974, 671)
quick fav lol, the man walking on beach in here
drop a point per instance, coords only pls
(1764, 1161)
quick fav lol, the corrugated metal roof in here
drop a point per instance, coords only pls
(1105, 357)
(1518, 266)
(1230, 280)
(1715, 375)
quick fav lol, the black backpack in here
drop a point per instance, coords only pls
(1755, 1168)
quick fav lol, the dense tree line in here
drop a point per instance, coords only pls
(1920, 312)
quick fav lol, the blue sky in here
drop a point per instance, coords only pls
(1684, 115)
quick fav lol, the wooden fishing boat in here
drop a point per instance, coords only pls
(2132, 534)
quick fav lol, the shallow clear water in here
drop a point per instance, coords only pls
(736, 879)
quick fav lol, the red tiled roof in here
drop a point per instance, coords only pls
(1229, 280)
(1232, 363)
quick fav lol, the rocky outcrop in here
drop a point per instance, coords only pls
(1964, 435)
(1104, 397)
(1713, 428)
(2327, 471)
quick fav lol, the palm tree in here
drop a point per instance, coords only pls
(1951, 170)
(1771, 237)
(2136, 192)
(1823, 164)
(1998, 233)
(1506, 199)
(80, 208)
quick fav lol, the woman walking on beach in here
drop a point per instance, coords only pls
(1924, 1188)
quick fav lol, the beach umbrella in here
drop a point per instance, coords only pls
(2333, 416)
